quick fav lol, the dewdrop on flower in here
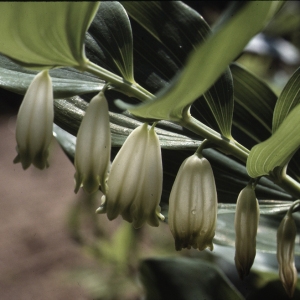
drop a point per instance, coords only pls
(35, 123)
(92, 154)
(286, 236)
(193, 205)
(135, 180)
(246, 223)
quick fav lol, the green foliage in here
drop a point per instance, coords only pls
(45, 34)
(166, 56)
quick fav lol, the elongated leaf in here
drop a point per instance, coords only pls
(278, 149)
(171, 23)
(288, 99)
(254, 105)
(207, 63)
(111, 30)
(66, 82)
(45, 34)
(266, 235)
(185, 279)
(62, 87)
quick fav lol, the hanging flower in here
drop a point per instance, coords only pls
(286, 236)
(35, 122)
(92, 155)
(135, 180)
(193, 204)
(246, 223)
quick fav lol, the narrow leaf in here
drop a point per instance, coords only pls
(171, 23)
(288, 99)
(45, 34)
(278, 149)
(18, 82)
(111, 30)
(254, 105)
(208, 62)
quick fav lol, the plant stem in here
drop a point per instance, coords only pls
(233, 148)
(227, 146)
(128, 88)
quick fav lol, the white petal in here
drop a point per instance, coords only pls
(35, 123)
(92, 155)
(135, 179)
(193, 205)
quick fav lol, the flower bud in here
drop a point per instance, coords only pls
(286, 236)
(193, 205)
(246, 223)
(135, 179)
(35, 123)
(92, 155)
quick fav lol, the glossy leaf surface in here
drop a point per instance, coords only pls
(185, 88)
(278, 149)
(45, 34)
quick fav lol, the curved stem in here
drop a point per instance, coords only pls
(128, 88)
(227, 146)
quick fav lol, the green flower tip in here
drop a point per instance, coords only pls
(135, 179)
(193, 205)
(286, 236)
(35, 123)
(92, 154)
(246, 224)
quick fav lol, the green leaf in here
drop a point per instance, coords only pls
(288, 99)
(208, 62)
(18, 82)
(45, 34)
(184, 278)
(278, 149)
(111, 30)
(254, 105)
(171, 23)
(266, 235)
(66, 82)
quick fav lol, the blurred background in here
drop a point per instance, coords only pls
(53, 246)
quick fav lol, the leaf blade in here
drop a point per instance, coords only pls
(25, 25)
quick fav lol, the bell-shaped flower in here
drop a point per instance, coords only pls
(246, 223)
(286, 236)
(135, 179)
(35, 123)
(92, 154)
(193, 204)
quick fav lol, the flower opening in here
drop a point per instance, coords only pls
(193, 205)
(135, 179)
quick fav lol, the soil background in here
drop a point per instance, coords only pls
(36, 250)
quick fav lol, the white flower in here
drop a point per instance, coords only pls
(193, 205)
(92, 155)
(135, 179)
(35, 123)
(286, 236)
(246, 223)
